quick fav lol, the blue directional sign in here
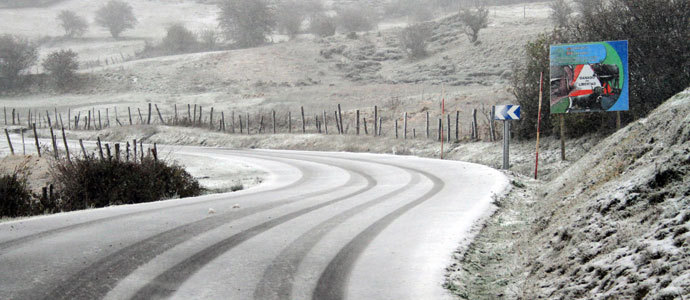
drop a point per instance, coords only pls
(507, 112)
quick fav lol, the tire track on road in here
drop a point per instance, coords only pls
(165, 284)
(4, 246)
(107, 271)
(277, 279)
(333, 281)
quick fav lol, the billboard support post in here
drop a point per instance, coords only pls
(536, 161)
(562, 120)
(618, 120)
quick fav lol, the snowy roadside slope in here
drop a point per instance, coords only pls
(615, 224)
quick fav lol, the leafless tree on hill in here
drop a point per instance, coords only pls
(74, 25)
(116, 16)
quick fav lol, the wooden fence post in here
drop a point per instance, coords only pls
(405, 125)
(241, 125)
(155, 150)
(23, 144)
(107, 148)
(289, 122)
(148, 119)
(100, 125)
(52, 138)
(222, 121)
(175, 119)
(376, 118)
(9, 142)
(13, 116)
(396, 128)
(233, 121)
(358, 122)
(304, 130)
(340, 119)
(117, 118)
(83, 150)
(364, 120)
(440, 128)
(248, 128)
(141, 118)
(457, 125)
(134, 143)
(189, 113)
(475, 134)
(159, 115)
(107, 118)
(201, 121)
(38, 146)
(64, 140)
(325, 122)
(129, 110)
(50, 123)
(127, 151)
(337, 124)
(100, 148)
(317, 124)
(273, 114)
(448, 122)
(380, 125)
(117, 152)
(210, 120)
(261, 124)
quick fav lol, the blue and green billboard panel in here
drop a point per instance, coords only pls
(589, 77)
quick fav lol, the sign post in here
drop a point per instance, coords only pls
(506, 113)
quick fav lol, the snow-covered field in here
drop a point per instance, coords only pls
(371, 70)
(153, 16)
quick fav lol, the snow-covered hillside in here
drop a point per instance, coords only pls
(614, 225)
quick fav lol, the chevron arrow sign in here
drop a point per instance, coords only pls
(507, 112)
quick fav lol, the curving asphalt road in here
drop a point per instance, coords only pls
(322, 226)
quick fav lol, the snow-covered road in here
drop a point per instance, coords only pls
(322, 226)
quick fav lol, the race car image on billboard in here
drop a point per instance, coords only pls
(589, 77)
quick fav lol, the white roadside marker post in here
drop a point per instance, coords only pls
(506, 113)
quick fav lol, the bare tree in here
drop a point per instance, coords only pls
(116, 16)
(16, 55)
(246, 22)
(179, 40)
(74, 25)
(560, 13)
(474, 20)
(208, 38)
(322, 25)
(413, 39)
(289, 16)
(62, 66)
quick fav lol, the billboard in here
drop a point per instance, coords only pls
(589, 77)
